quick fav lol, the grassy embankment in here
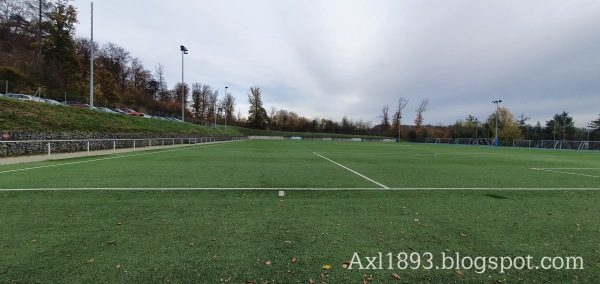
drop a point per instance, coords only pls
(27, 116)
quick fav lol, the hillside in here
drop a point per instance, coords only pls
(16, 115)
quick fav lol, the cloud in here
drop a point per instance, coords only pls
(349, 58)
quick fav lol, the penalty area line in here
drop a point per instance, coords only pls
(351, 170)
(564, 171)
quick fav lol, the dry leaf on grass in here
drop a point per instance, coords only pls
(463, 235)
(294, 259)
(459, 272)
(396, 276)
(90, 261)
(268, 263)
(118, 266)
(326, 266)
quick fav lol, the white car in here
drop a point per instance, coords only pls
(53, 102)
(20, 97)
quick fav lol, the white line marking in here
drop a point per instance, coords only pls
(305, 188)
(353, 171)
(561, 171)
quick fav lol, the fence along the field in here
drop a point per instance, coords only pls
(37, 147)
(558, 144)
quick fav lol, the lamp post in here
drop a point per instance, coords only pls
(226, 106)
(183, 51)
(497, 117)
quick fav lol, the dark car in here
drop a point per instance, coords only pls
(76, 104)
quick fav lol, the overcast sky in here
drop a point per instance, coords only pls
(335, 58)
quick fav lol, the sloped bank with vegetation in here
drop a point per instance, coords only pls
(25, 120)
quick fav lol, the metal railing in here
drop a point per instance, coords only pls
(41, 147)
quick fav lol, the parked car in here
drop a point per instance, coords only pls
(118, 111)
(19, 97)
(132, 112)
(105, 109)
(76, 104)
(53, 102)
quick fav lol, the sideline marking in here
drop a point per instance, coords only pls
(107, 158)
(353, 171)
(305, 188)
(561, 171)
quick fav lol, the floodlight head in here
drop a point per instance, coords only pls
(183, 49)
(500, 101)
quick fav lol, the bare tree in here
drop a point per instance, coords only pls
(228, 105)
(163, 91)
(385, 120)
(419, 119)
(197, 99)
(402, 102)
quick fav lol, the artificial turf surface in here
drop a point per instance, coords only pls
(242, 236)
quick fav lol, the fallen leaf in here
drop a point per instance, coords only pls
(293, 259)
(463, 235)
(192, 244)
(460, 273)
(111, 242)
(118, 266)
(33, 241)
(90, 261)
(396, 276)
(326, 266)
(344, 266)
(268, 262)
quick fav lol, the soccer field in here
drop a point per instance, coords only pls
(394, 212)
(315, 165)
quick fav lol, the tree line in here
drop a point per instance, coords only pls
(40, 54)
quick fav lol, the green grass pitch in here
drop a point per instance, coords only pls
(212, 214)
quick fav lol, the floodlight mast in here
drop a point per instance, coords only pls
(497, 116)
(183, 51)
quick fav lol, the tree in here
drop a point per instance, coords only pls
(402, 102)
(471, 123)
(163, 90)
(385, 120)
(115, 60)
(508, 126)
(595, 124)
(257, 115)
(561, 126)
(228, 105)
(61, 70)
(419, 119)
